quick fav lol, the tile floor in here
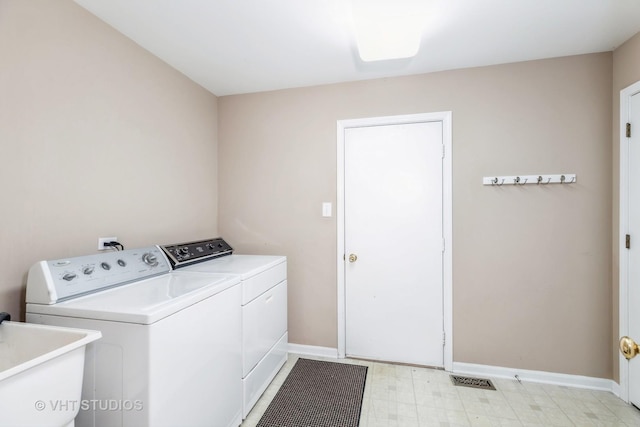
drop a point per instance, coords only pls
(406, 396)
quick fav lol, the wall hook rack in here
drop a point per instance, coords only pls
(565, 178)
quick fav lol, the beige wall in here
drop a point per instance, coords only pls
(97, 138)
(531, 265)
(626, 71)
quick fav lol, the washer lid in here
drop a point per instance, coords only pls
(244, 265)
(144, 302)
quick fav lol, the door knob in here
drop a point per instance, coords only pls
(353, 257)
(628, 348)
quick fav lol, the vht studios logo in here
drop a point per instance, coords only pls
(89, 405)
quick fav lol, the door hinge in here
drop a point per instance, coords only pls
(628, 130)
(443, 151)
(443, 244)
(444, 338)
(627, 241)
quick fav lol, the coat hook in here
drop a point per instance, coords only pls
(562, 179)
(516, 180)
(502, 182)
(525, 181)
(494, 181)
(573, 179)
(539, 179)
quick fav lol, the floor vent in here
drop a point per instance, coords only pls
(472, 382)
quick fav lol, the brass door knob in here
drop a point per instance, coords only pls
(628, 348)
(353, 257)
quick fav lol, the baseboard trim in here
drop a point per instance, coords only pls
(313, 350)
(615, 389)
(542, 377)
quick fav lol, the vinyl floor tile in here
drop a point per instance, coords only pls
(407, 396)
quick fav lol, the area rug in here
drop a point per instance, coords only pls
(318, 394)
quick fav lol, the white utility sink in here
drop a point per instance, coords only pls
(41, 369)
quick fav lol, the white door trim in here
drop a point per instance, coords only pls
(623, 308)
(447, 216)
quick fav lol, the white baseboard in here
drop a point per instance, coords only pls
(542, 377)
(617, 390)
(313, 350)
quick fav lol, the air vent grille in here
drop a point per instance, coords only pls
(472, 382)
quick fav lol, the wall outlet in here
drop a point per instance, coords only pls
(102, 240)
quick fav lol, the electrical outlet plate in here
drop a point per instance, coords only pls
(103, 240)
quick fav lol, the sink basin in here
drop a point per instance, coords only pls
(41, 369)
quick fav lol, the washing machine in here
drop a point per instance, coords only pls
(263, 280)
(170, 353)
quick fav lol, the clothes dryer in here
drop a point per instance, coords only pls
(264, 306)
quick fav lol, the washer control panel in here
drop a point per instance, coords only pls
(182, 254)
(57, 280)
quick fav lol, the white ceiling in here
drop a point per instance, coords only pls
(241, 46)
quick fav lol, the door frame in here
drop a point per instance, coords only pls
(447, 216)
(623, 304)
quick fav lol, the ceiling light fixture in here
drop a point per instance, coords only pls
(388, 29)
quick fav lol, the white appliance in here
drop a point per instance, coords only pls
(264, 306)
(170, 348)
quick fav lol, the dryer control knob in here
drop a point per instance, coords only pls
(150, 259)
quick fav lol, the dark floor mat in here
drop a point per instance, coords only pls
(318, 394)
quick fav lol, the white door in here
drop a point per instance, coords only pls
(633, 290)
(393, 228)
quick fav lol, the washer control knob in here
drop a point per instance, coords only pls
(88, 270)
(69, 276)
(105, 266)
(184, 250)
(150, 259)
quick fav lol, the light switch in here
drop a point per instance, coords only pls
(326, 209)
